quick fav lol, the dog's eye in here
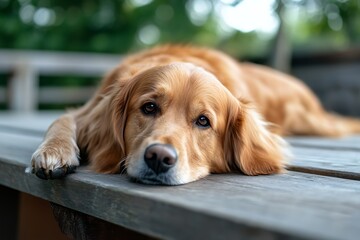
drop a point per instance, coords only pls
(149, 108)
(203, 122)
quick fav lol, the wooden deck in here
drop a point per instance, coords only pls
(318, 198)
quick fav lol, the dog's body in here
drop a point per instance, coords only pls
(174, 114)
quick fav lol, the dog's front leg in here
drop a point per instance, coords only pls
(58, 154)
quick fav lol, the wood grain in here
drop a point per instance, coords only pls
(345, 143)
(81, 226)
(291, 205)
(334, 162)
(28, 121)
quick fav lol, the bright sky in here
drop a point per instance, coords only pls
(250, 15)
(246, 16)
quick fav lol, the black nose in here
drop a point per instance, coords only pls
(160, 157)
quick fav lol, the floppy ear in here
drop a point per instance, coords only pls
(249, 145)
(123, 91)
(97, 122)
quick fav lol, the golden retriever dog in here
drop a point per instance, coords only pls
(174, 114)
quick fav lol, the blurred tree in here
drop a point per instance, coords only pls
(117, 26)
(320, 25)
(94, 25)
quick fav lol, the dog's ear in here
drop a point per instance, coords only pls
(249, 145)
(101, 123)
(123, 89)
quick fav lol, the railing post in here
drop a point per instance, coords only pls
(281, 52)
(23, 88)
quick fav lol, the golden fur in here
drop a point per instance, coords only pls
(249, 107)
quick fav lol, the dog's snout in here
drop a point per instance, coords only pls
(160, 157)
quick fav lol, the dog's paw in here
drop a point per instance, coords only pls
(54, 160)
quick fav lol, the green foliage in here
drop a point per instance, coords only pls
(74, 81)
(117, 26)
(326, 25)
(106, 26)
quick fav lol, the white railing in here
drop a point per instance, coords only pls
(25, 67)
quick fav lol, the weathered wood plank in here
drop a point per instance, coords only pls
(64, 95)
(330, 162)
(17, 149)
(57, 95)
(349, 142)
(28, 121)
(226, 206)
(81, 226)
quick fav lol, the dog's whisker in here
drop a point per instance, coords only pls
(125, 163)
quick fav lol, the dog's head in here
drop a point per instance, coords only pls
(177, 123)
